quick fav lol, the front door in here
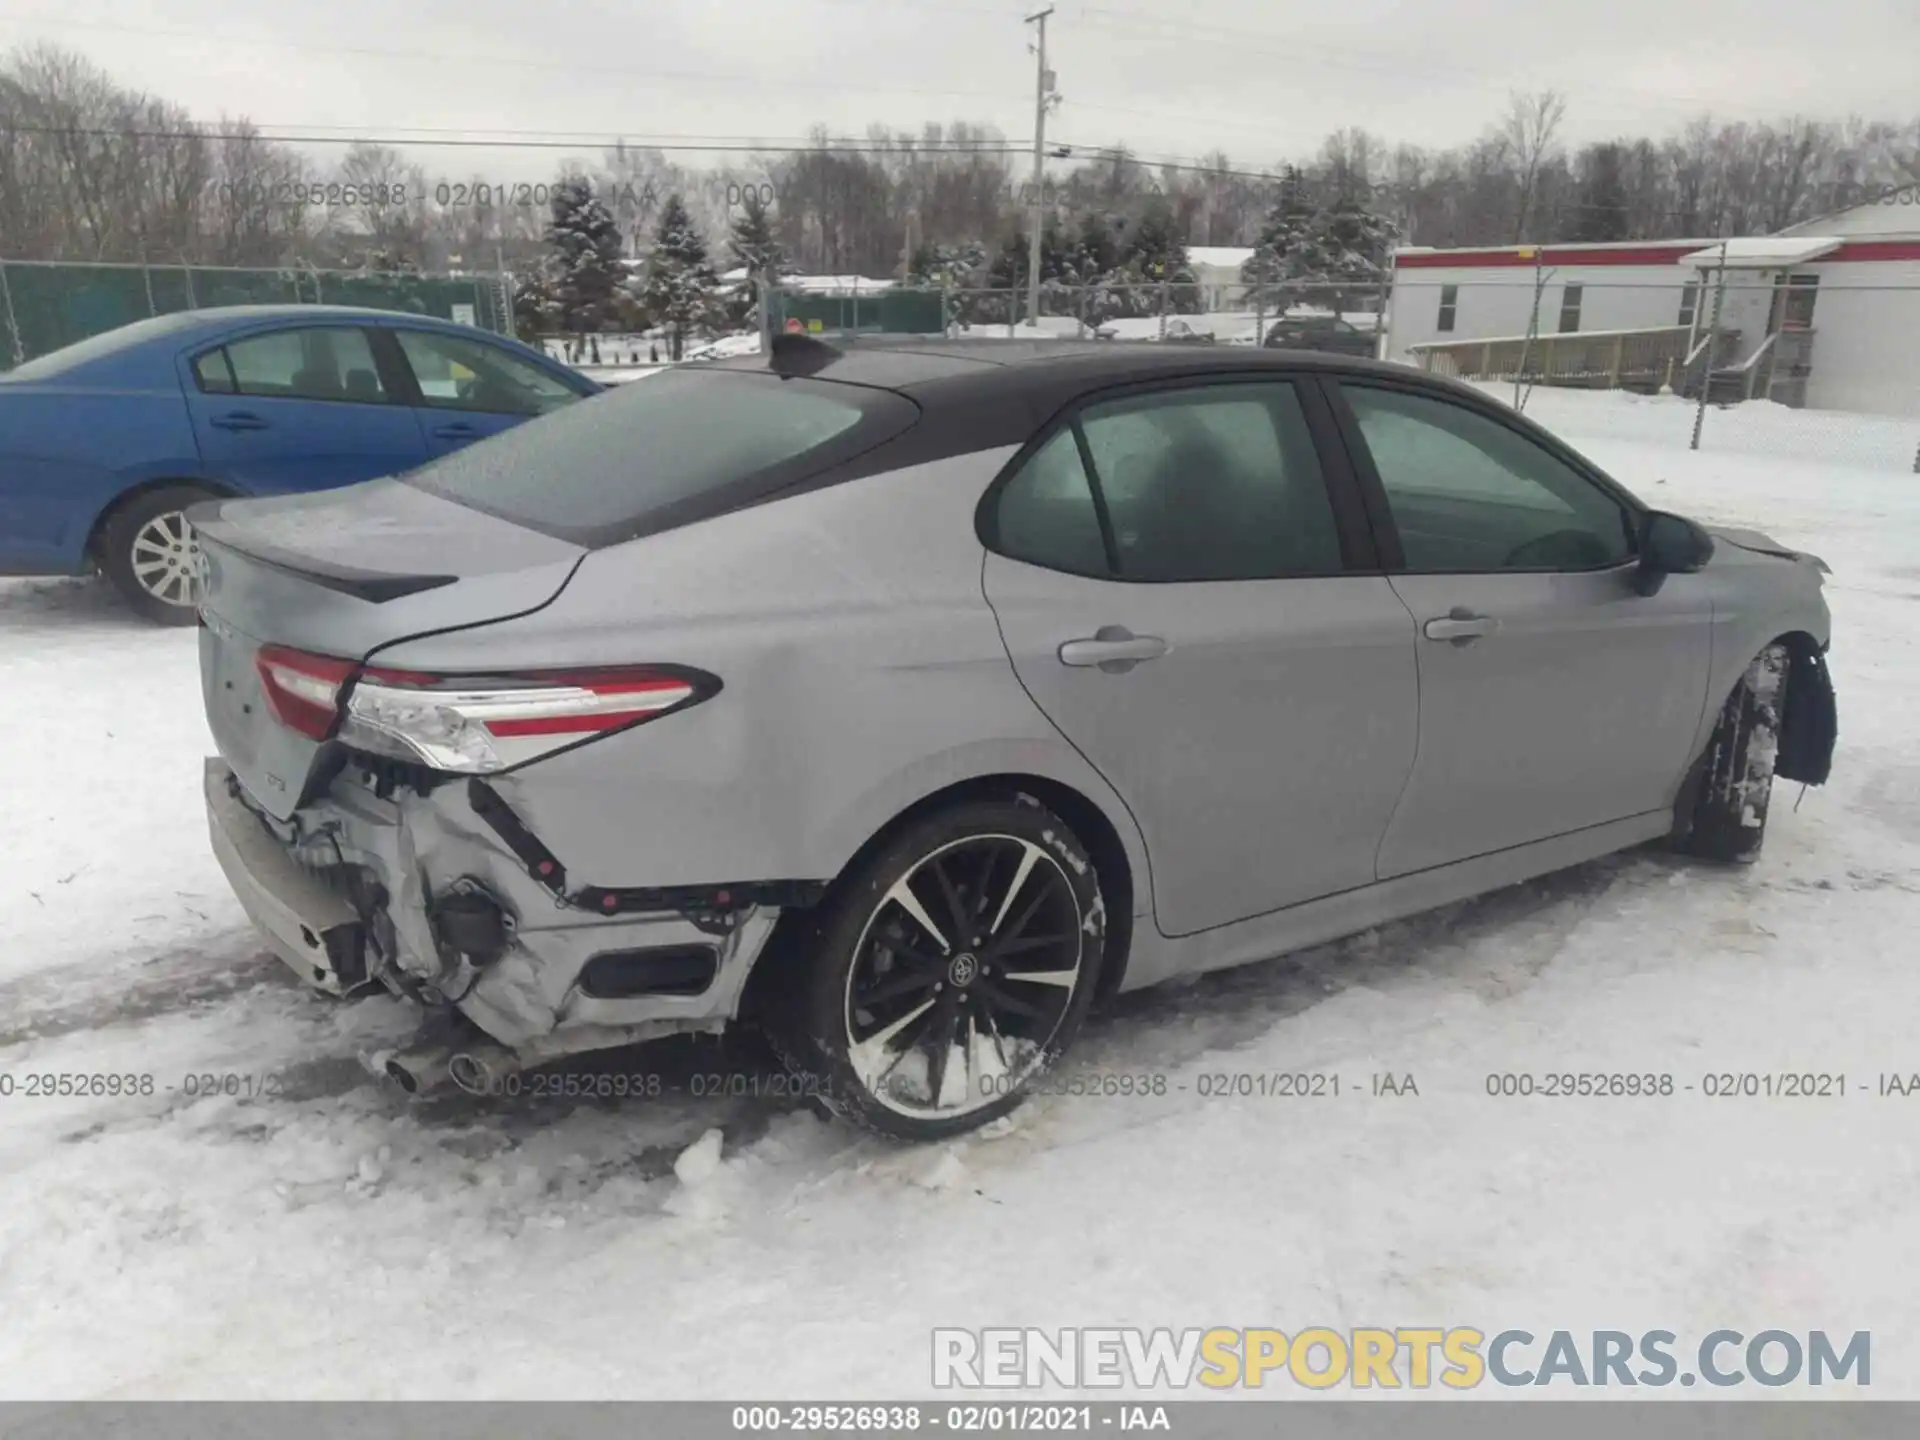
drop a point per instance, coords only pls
(304, 408)
(1553, 696)
(1177, 597)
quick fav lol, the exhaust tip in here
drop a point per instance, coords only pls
(403, 1077)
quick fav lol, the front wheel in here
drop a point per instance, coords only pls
(950, 970)
(148, 551)
(1729, 819)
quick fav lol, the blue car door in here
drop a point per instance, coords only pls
(303, 407)
(470, 388)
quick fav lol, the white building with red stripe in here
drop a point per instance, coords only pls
(1827, 313)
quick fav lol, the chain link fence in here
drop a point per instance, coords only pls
(45, 305)
(1802, 367)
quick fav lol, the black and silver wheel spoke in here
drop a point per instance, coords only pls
(977, 946)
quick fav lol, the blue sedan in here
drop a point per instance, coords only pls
(104, 444)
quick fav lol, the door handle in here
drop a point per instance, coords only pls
(1114, 648)
(1461, 626)
(456, 431)
(238, 420)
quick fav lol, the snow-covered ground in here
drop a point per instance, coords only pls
(333, 1239)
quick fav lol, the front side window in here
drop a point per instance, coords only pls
(1218, 482)
(331, 362)
(1470, 495)
(456, 373)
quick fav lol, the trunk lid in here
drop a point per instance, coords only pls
(345, 573)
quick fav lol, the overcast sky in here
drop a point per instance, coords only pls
(1264, 80)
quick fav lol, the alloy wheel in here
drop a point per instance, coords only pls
(166, 559)
(962, 977)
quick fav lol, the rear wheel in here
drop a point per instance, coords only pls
(949, 971)
(148, 551)
(1729, 820)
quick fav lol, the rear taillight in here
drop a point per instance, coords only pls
(477, 724)
(302, 690)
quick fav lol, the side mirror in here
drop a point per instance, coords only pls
(1669, 545)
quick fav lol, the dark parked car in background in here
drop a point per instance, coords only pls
(104, 444)
(1328, 333)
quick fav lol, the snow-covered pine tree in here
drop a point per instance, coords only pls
(758, 251)
(1155, 252)
(680, 288)
(583, 261)
(1352, 244)
(1288, 249)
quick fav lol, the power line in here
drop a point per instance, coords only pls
(828, 146)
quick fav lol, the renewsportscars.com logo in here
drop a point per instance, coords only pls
(1456, 1358)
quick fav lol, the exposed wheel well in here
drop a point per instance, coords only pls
(145, 487)
(785, 946)
(1799, 645)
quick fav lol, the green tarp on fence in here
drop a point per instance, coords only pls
(46, 306)
(894, 312)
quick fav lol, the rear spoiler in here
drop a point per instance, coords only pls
(376, 587)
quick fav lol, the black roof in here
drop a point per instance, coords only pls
(973, 370)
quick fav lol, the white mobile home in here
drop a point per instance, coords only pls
(1825, 314)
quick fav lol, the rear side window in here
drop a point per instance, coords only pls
(323, 362)
(1046, 514)
(1215, 482)
(663, 451)
(212, 372)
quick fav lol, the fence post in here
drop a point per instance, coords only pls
(1163, 309)
(1013, 319)
(1619, 355)
(146, 273)
(187, 270)
(1713, 343)
(764, 287)
(13, 325)
(1380, 316)
(946, 307)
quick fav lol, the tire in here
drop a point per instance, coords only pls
(1728, 822)
(147, 551)
(886, 972)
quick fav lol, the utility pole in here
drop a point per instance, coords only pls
(1042, 96)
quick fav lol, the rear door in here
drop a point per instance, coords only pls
(1553, 696)
(467, 388)
(1184, 591)
(302, 407)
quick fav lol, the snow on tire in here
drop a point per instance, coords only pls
(1729, 820)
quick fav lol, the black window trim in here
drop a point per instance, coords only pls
(1350, 519)
(369, 334)
(1386, 534)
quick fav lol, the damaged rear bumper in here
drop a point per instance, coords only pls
(372, 883)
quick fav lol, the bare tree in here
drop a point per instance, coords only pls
(1527, 134)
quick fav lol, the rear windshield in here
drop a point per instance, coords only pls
(664, 450)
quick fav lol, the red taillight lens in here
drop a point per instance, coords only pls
(302, 691)
(477, 724)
